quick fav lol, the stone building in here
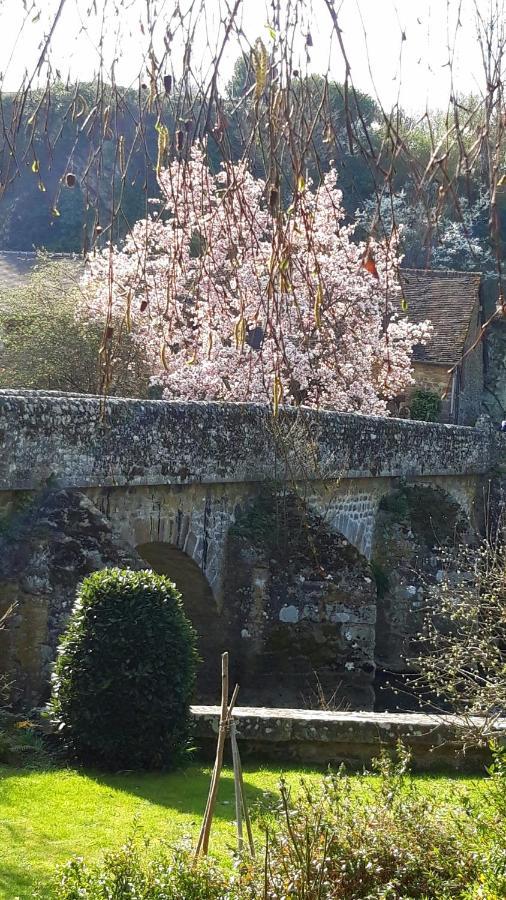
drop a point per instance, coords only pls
(452, 302)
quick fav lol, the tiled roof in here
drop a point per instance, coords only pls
(448, 300)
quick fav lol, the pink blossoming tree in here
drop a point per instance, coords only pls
(233, 298)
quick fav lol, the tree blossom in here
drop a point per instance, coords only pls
(233, 298)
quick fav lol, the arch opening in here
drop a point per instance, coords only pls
(200, 607)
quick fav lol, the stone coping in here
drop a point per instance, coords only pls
(355, 738)
(78, 441)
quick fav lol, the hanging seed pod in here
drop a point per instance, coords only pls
(144, 304)
(260, 61)
(273, 200)
(163, 356)
(167, 83)
(179, 141)
(70, 179)
(309, 40)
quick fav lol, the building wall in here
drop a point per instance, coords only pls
(494, 397)
(465, 385)
(471, 376)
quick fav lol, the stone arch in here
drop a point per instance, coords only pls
(412, 521)
(200, 607)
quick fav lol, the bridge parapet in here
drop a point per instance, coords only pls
(71, 441)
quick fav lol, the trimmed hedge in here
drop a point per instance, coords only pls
(125, 672)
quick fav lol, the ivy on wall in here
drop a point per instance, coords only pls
(425, 405)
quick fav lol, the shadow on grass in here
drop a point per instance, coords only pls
(184, 790)
(16, 882)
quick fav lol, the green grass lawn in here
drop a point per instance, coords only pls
(46, 817)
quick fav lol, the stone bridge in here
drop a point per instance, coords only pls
(293, 540)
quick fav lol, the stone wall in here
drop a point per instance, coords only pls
(322, 738)
(172, 485)
(304, 602)
(47, 545)
(71, 441)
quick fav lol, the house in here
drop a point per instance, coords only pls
(451, 363)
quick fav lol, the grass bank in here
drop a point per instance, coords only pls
(48, 816)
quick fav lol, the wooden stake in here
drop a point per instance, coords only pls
(233, 737)
(203, 841)
(237, 787)
(226, 725)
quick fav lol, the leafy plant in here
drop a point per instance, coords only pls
(381, 577)
(130, 873)
(388, 840)
(463, 662)
(425, 405)
(395, 842)
(125, 672)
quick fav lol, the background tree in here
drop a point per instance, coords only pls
(232, 299)
(46, 346)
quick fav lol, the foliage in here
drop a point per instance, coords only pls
(425, 405)
(463, 240)
(395, 843)
(125, 672)
(284, 308)
(389, 840)
(128, 873)
(494, 876)
(464, 636)
(381, 577)
(44, 346)
(22, 743)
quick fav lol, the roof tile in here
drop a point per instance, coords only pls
(448, 299)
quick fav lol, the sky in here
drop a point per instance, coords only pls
(384, 37)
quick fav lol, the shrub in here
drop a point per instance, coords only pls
(128, 874)
(425, 405)
(125, 672)
(387, 840)
(463, 662)
(393, 841)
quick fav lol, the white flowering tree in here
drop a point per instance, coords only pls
(234, 298)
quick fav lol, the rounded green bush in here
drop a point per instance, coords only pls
(125, 672)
